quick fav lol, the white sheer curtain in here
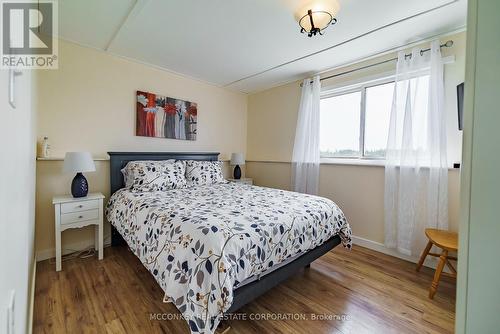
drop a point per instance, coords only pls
(416, 171)
(305, 159)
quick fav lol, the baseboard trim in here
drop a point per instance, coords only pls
(46, 254)
(430, 262)
(32, 298)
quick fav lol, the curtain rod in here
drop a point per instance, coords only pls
(448, 44)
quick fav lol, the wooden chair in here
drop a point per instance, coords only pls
(448, 242)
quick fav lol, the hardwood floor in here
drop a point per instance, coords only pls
(376, 293)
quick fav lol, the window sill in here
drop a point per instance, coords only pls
(360, 162)
(353, 162)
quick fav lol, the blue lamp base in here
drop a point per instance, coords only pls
(79, 186)
(237, 172)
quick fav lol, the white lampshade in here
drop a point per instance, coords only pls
(237, 159)
(78, 162)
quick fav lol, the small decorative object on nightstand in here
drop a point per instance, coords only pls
(243, 180)
(76, 213)
(237, 159)
(79, 162)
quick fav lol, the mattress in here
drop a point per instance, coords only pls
(202, 243)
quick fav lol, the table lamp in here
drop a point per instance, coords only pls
(237, 159)
(79, 162)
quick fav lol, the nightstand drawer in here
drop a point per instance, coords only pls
(68, 218)
(79, 206)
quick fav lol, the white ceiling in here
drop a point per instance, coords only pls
(250, 45)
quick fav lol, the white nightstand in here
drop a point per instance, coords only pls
(75, 213)
(243, 180)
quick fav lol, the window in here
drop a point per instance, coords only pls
(339, 125)
(377, 117)
(355, 124)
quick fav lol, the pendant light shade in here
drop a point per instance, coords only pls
(316, 16)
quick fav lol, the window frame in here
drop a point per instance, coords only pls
(358, 87)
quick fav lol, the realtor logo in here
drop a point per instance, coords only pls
(28, 34)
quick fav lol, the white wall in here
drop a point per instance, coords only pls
(478, 298)
(89, 104)
(17, 188)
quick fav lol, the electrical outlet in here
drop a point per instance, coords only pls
(10, 312)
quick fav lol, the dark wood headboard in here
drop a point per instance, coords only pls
(118, 160)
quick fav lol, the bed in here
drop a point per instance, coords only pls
(215, 248)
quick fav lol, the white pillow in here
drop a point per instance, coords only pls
(200, 173)
(129, 168)
(142, 176)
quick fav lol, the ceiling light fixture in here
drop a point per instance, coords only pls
(316, 16)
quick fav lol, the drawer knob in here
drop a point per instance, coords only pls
(80, 217)
(80, 206)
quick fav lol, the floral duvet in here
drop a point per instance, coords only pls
(200, 243)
